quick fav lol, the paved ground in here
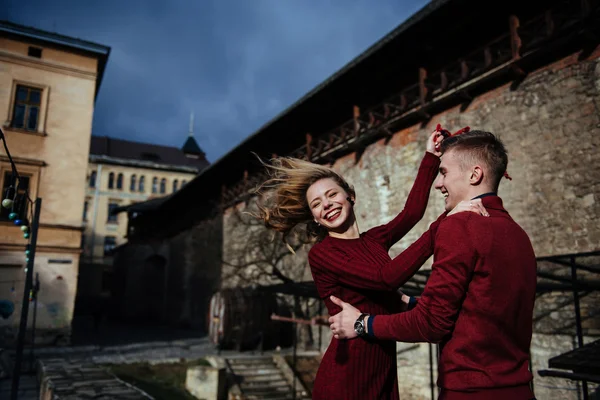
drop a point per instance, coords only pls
(153, 352)
(112, 332)
(76, 370)
(28, 388)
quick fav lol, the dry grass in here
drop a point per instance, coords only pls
(161, 381)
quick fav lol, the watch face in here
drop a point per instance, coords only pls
(359, 327)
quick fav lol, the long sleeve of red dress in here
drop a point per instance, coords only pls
(369, 274)
(349, 260)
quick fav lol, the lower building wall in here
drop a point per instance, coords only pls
(54, 307)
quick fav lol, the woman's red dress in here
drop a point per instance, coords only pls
(361, 272)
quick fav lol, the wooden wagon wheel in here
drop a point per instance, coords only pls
(216, 319)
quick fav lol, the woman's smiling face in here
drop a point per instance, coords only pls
(329, 204)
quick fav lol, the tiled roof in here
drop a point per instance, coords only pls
(128, 150)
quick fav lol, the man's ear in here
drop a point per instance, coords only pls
(476, 176)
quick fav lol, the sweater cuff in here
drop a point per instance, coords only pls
(379, 326)
(370, 326)
(430, 159)
(412, 303)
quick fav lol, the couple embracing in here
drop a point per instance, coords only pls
(478, 301)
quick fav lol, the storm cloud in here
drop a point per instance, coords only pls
(236, 64)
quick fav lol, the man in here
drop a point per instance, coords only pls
(478, 301)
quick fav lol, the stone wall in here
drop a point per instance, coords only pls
(178, 277)
(199, 250)
(550, 125)
(139, 283)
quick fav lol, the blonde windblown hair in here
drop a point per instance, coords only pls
(284, 203)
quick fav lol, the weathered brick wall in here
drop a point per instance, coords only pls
(550, 125)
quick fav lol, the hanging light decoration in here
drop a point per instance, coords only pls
(9, 197)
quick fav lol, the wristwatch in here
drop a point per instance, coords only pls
(359, 325)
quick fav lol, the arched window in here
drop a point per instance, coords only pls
(132, 183)
(120, 182)
(141, 187)
(93, 179)
(163, 186)
(111, 180)
(175, 184)
(155, 185)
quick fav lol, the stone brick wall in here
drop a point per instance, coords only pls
(550, 125)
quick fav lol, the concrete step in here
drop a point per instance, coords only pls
(265, 385)
(275, 396)
(250, 360)
(263, 378)
(259, 391)
(257, 371)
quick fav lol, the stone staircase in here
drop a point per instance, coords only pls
(264, 378)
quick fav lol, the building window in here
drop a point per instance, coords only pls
(163, 186)
(26, 110)
(20, 205)
(120, 182)
(34, 52)
(110, 242)
(141, 187)
(111, 180)
(112, 217)
(93, 179)
(86, 205)
(175, 184)
(132, 183)
(155, 185)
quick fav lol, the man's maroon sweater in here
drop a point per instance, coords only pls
(478, 304)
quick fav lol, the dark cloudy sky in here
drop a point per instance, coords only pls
(236, 64)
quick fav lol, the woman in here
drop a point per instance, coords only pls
(353, 266)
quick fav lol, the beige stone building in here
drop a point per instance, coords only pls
(48, 86)
(121, 173)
